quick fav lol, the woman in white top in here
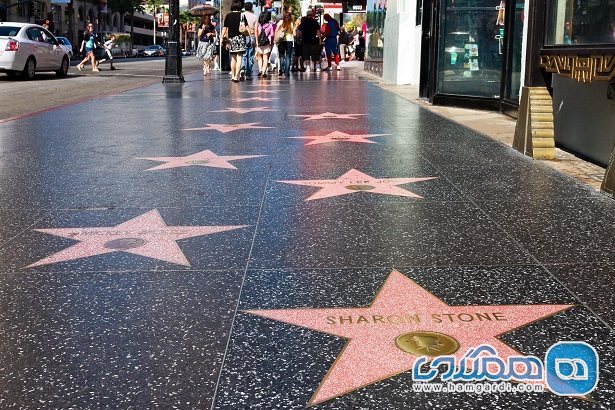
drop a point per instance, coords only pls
(284, 35)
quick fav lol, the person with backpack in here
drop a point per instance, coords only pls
(264, 40)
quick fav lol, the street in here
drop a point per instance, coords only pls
(48, 91)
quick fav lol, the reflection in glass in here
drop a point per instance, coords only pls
(581, 22)
(471, 47)
(514, 79)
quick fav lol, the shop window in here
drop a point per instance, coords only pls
(471, 47)
(571, 22)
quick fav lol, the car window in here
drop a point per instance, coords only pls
(35, 34)
(48, 37)
(9, 31)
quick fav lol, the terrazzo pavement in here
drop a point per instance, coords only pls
(127, 328)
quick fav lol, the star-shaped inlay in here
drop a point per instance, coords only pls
(356, 181)
(227, 127)
(246, 110)
(204, 159)
(338, 136)
(256, 99)
(262, 91)
(327, 116)
(402, 315)
(145, 235)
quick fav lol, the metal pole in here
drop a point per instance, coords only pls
(173, 62)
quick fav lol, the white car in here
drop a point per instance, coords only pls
(26, 49)
(66, 45)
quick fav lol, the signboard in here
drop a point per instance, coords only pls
(354, 6)
(60, 1)
(162, 20)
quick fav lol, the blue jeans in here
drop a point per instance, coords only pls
(286, 58)
(247, 61)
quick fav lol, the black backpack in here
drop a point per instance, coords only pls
(263, 39)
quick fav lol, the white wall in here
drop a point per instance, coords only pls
(402, 44)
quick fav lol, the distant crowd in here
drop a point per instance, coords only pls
(279, 45)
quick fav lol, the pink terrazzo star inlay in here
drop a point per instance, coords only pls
(338, 136)
(327, 116)
(256, 99)
(401, 306)
(262, 91)
(228, 127)
(145, 235)
(204, 159)
(356, 181)
(246, 110)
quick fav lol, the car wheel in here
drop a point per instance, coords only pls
(63, 71)
(29, 70)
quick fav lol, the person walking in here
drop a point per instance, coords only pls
(343, 40)
(332, 29)
(264, 39)
(310, 36)
(207, 44)
(236, 42)
(248, 57)
(298, 48)
(284, 36)
(87, 46)
(108, 46)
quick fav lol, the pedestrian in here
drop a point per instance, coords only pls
(331, 30)
(310, 37)
(87, 45)
(284, 36)
(108, 46)
(247, 62)
(207, 44)
(236, 42)
(343, 40)
(298, 48)
(264, 39)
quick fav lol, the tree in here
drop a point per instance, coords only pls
(153, 5)
(127, 7)
(296, 5)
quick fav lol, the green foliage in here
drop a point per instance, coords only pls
(296, 5)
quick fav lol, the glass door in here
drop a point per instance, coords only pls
(515, 43)
(471, 48)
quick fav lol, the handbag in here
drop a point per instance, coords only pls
(244, 28)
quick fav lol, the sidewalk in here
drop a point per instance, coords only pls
(496, 126)
(283, 244)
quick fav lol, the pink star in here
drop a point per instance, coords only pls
(256, 99)
(262, 91)
(356, 181)
(245, 110)
(337, 136)
(328, 115)
(204, 159)
(227, 127)
(146, 235)
(402, 306)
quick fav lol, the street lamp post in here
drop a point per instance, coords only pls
(173, 62)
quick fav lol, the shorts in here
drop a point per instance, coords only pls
(263, 49)
(311, 52)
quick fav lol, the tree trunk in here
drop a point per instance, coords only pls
(132, 31)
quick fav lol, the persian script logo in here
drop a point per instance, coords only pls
(569, 368)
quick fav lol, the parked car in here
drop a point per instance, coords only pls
(66, 45)
(153, 51)
(29, 48)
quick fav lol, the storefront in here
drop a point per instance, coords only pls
(577, 56)
(474, 56)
